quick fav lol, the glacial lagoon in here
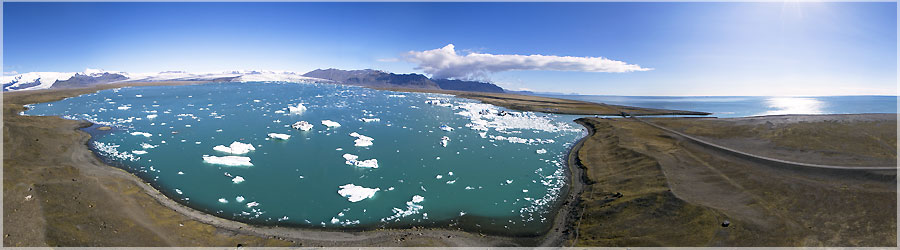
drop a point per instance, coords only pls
(370, 159)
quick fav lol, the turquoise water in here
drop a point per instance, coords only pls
(742, 106)
(508, 184)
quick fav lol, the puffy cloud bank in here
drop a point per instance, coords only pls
(446, 63)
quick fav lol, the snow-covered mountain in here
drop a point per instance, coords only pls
(46, 80)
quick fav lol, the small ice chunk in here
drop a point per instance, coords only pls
(541, 151)
(302, 125)
(151, 116)
(352, 160)
(444, 141)
(228, 160)
(148, 146)
(236, 147)
(138, 152)
(237, 179)
(223, 200)
(145, 134)
(252, 204)
(439, 177)
(369, 119)
(297, 109)
(446, 128)
(279, 136)
(362, 140)
(417, 199)
(178, 191)
(330, 124)
(239, 199)
(356, 193)
(180, 173)
(509, 181)
(123, 107)
(524, 190)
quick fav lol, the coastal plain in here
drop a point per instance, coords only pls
(641, 186)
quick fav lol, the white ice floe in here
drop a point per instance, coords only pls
(223, 200)
(352, 160)
(446, 128)
(151, 116)
(370, 119)
(439, 177)
(124, 107)
(228, 160)
(236, 148)
(297, 109)
(237, 179)
(145, 134)
(279, 136)
(361, 140)
(302, 125)
(138, 152)
(484, 117)
(111, 150)
(541, 151)
(444, 141)
(330, 123)
(355, 193)
(412, 207)
(252, 204)
(239, 199)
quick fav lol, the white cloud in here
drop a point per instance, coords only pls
(445, 63)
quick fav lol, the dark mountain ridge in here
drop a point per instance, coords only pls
(377, 78)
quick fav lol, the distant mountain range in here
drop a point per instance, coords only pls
(377, 78)
(366, 77)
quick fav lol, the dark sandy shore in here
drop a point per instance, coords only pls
(641, 187)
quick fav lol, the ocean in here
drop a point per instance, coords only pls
(395, 160)
(743, 106)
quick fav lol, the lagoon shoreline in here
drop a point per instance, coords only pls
(555, 235)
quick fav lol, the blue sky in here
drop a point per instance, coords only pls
(691, 48)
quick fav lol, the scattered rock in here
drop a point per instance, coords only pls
(726, 223)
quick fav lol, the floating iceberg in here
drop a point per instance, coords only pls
(138, 152)
(239, 199)
(145, 134)
(330, 124)
(302, 125)
(352, 161)
(279, 136)
(223, 200)
(541, 151)
(412, 207)
(356, 193)
(236, 148)
(228, 160)
(298, 109)
(362, 140)
(237, 179)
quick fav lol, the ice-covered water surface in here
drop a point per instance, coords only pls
(230, 149)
